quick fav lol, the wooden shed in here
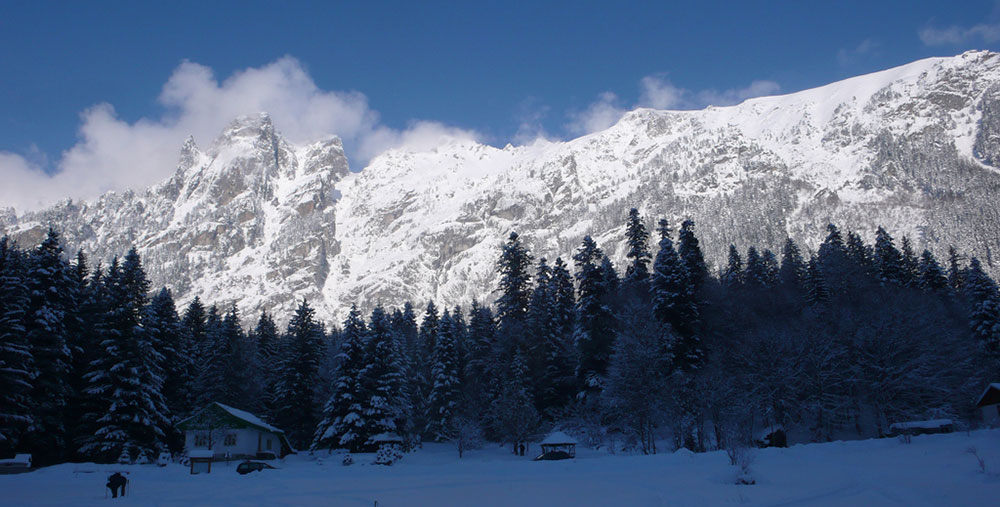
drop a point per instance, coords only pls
(557, 445)
(989, 404)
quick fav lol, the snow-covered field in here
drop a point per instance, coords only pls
(932, 470)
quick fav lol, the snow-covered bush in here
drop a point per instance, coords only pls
(388, 454)
(348, 460)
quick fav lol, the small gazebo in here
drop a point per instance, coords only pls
(557, 445)
(989, 404)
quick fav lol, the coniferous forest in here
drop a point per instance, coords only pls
(95, 364)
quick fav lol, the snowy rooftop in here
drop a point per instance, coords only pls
(558, 438)
(248, 417)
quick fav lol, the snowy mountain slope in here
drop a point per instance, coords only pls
(263, 223)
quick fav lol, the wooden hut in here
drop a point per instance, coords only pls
(557, 445)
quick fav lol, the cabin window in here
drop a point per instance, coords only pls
(200, 440)
(230, 440)
(269, 444)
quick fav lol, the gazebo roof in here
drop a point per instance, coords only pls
(558, 438)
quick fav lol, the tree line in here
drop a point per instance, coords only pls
(840, 344)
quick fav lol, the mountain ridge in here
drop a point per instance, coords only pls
(258, 221)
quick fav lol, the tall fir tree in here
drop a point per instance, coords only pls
(689, 249)
(636, 279)
(955, 271)
(344, 424)
(382, 379)
(984, 306)
(792, 270)
(673, 301)
(909, 264)
(732, 276)
(930, 276)
(888, 260)
(165, 332)
(446, 392)
(49, 285)
(297, 411)
(125, 374)
(16, 362)
(595, 326)
(269, 354)
(817, 291)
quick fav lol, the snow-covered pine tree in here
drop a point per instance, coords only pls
(125, 374)
(481, 368)
(344, 425)
(50, 292)
(446, 392)
(209, 382)
(770, 263)
(689, 249)
(512, 415)
(793, 269)
(817, 291)
(930, 275)
(514, 284)
(16, 365)
(861, 254)
(194, 327)
(165, 332)
(420, 379)
(910, 265)
(755, 275)
(297, 410)
(888, 260)
(636, 279)
(560, 355)
(540, 328)
(269, 354)
(832, 258)
(236, 360)
(984, 306)
(382, 380)
(636, 386)
(611, 282)
(732, 276)
(955, 271)
(673, 301)
(594, 333)
(78, 339)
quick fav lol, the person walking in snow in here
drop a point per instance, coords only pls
(115, 483)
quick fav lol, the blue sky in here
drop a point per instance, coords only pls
(83, 80)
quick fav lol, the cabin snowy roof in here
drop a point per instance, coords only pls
(558, 438)
(248, 417)
(242, 415)
(991, 396)
(931, 424)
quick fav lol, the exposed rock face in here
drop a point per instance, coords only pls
(250, 220)
(262, 223)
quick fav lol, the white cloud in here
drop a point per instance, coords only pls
(659, 93)
(736, 95)
(955, 34)
(599, 115)
(848, 56)
(113, 154)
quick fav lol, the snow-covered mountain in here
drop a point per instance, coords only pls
(255, 220)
